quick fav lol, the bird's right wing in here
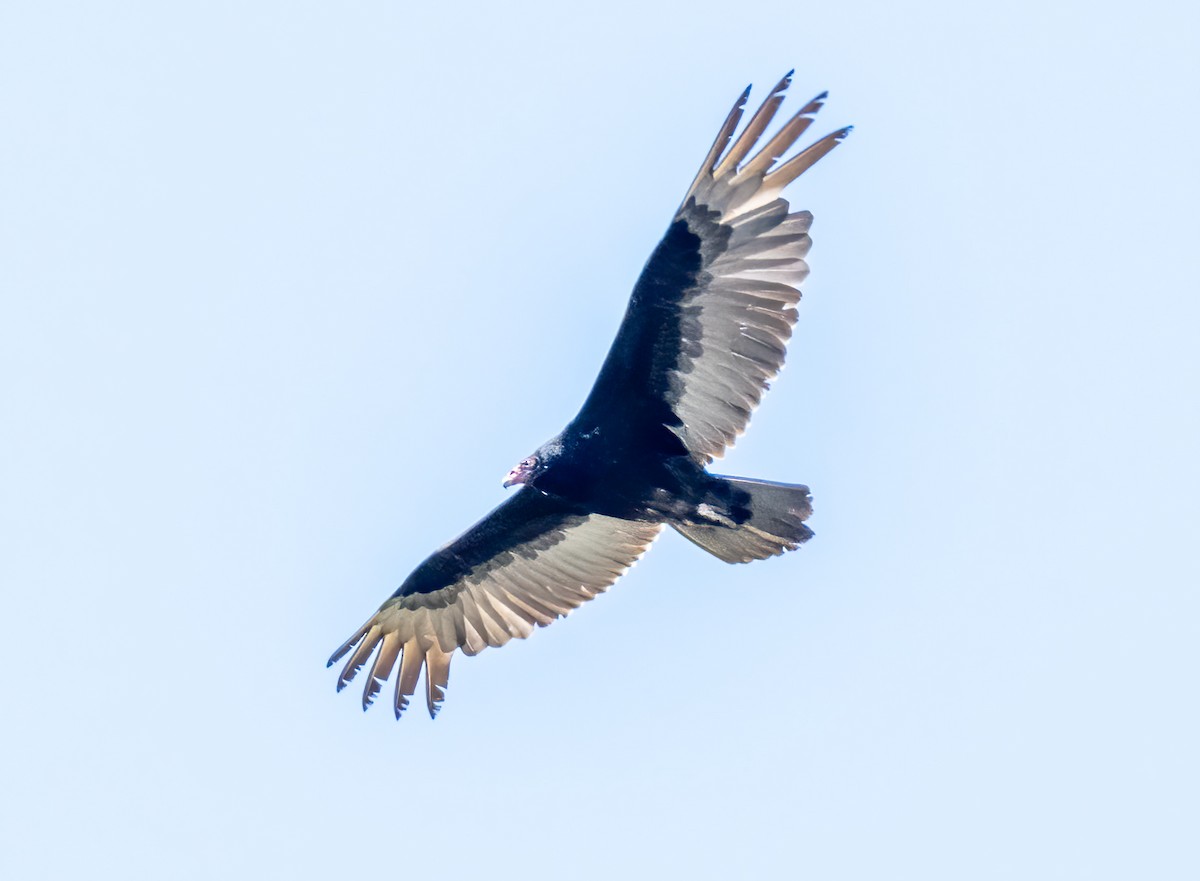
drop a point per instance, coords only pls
(529, 562)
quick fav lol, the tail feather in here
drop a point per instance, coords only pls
(776, 522)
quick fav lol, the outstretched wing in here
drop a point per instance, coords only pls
(532, 560)
(709, 319)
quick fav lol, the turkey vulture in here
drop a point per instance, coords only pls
(704, 333)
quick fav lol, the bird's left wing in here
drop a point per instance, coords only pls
(532, 560)
(710, 316)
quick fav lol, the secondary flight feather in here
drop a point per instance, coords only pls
(705, 331)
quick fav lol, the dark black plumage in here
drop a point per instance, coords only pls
(705, 331)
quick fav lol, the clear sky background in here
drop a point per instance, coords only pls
(287, 287)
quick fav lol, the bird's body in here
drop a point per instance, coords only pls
(705, 331)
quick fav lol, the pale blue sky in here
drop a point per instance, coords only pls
(287, 288)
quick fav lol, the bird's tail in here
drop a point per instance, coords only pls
(774, 522)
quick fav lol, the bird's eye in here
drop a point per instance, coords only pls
(529, 463)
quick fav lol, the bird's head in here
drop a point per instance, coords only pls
(529, 468)
(523, 472)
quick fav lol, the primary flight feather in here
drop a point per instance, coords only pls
(705, 332)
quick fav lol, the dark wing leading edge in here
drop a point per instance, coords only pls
(710, 316)
(529, 562)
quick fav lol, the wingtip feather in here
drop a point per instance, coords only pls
(348, 644)
(792, 130)
(741, 147)
(361, 654)
(437, 677)
(805, 159)
(728, 127)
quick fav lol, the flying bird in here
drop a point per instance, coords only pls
(705, 331)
